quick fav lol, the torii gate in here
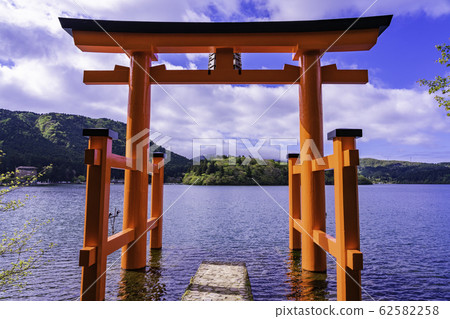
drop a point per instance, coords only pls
(142, 41)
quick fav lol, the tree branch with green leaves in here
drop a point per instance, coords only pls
(20, 252)
(440, 86)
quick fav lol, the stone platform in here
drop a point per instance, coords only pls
(219, 281)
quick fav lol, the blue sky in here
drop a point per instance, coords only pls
(41, 71)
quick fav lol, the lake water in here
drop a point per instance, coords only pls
(404, 237)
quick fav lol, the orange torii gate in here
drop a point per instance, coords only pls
(142, 41)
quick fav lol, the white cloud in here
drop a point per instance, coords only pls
(36, 78)
(403, 116)
(194, 57)
(192, 66)
(192, 16)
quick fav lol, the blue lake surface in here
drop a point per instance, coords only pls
(404, 238)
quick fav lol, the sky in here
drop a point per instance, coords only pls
(41, 71)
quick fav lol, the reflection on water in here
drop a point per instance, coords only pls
(148, 284)
(305, 285)
(143, 284)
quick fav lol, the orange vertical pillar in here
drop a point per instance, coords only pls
(312, 183)
(136, 181)
(93, 255)
(294, 202)
(157, 200)
(347, 213)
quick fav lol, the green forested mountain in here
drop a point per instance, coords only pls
(230, 171)
(31, 139)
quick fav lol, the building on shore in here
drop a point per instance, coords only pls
(22, 171)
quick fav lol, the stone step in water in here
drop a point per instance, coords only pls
(219, 281)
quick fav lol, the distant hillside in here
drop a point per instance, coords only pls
(370, 171)
(31, 139)
(401, 172)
